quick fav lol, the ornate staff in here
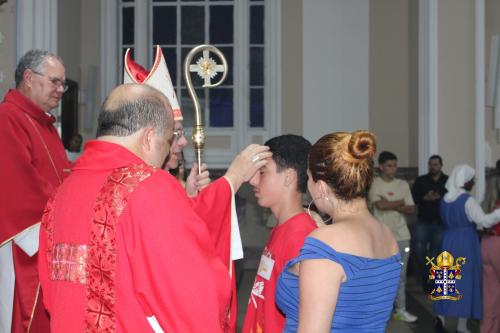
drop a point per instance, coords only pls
(207, 69)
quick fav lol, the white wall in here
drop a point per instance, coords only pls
(7, 46)
(335, 66)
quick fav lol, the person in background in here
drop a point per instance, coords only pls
(427, 191)
(74, 147)
(391, 200)
(279, 186)
(343, 267)
(490, 248)
(461, 215)
(34, 164)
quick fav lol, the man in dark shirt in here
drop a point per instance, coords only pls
(427, 192)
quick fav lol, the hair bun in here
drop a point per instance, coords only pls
(362, 145)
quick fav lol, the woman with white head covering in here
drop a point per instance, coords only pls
(461, 214)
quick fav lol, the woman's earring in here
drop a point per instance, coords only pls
(309, 209)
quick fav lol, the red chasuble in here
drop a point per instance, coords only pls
(33, 164)
(120, 242)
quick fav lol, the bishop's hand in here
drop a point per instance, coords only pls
(246, 163)
(196, 182)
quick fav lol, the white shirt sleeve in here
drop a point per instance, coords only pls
(476, 214)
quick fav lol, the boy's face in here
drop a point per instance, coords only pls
(389, 168)
(268, 184)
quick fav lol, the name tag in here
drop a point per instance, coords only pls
(265, 267)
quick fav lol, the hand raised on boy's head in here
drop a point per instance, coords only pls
(246, 163)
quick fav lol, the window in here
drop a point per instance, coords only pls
(245, 108)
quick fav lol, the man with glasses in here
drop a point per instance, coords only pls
(215, 204)
(34, 164)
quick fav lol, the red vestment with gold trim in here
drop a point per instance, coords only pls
(150, 254)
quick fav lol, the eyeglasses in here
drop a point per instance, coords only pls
(178, 134)
(54, 80)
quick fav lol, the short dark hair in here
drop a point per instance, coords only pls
(436, 157)
(129, 116)
(386, 156)
(33, 59)
(290, 152)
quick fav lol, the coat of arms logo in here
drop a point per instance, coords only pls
(445, 274)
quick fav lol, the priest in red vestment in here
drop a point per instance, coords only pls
(33, 165)
(122, 247)
(222, 222)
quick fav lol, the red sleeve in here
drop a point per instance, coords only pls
(24, 190)
(213, 205)
(176, 274)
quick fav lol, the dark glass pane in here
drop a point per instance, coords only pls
(257, 107)
(228, 53)
(187, 106)
(127, 0)
(164, 25)
(170, 54)
(191, 0)
(128, 25)
(221, 24)
(164, 0)
(257, 25)
(195, 78)
(256, 66)
(221, 107)
(192, 25)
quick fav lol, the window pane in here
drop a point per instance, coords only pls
(187, 106)
(228, 53)
(164, 0)
(221, 107)
(193, 25)
(164, 25)
(256, 66)
(127, 25)
(170, 54)
(256, 107)
(221, 24)
(195, 78)
(257, 24)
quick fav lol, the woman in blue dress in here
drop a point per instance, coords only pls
(461, 214)
(347, 273)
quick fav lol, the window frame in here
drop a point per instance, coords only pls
(241, 134)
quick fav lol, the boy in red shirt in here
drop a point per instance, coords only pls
(279, 186)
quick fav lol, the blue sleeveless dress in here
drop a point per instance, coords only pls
(461, 240)
(365, 299)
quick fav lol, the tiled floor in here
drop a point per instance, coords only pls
(417, 303)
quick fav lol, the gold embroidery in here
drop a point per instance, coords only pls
(68, 263)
